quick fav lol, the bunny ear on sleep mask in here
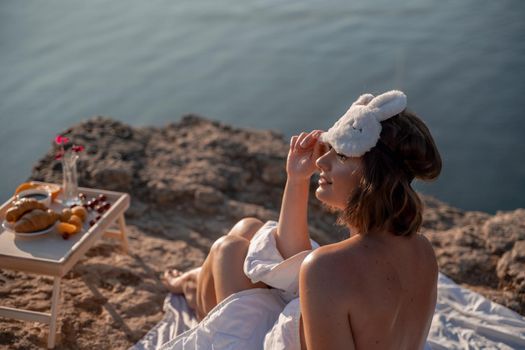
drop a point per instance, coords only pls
(358, 130)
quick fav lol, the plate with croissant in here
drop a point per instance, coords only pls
(28, 217)
(10, 227)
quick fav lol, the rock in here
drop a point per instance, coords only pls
(511, 268)
(190, 182)
(238, 210)
(160, 192)
(503, 229)
(208, 199)
(274, 172)
(482, 250)
(440, 216)
(114, 175)
(462, 255)
(136, 209)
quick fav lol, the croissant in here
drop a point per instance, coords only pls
(36, 220)
(22, 206)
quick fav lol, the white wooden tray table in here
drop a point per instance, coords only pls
(51, 255)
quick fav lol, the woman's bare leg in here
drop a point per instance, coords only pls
(224, 266)
(221, 273)
(246, 228)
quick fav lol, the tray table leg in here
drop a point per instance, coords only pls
(55, 304)
(124, 235)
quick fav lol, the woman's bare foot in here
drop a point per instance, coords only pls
(173, 280)
(185, 283)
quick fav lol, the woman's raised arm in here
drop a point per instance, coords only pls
(292, 230)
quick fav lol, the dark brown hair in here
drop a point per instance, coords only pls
(385, 199)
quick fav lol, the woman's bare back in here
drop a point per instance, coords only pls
(388, 286)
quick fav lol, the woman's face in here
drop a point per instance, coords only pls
(339, 176)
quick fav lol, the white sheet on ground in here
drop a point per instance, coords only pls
(269, 318)
(240, 321)
(464, 319)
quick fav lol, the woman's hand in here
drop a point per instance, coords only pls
(291, 236)
(304, 151)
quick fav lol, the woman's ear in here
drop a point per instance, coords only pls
(388, 104)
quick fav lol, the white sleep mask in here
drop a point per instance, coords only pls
(358, 130)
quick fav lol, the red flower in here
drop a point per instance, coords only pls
(77, 148)
(59, 139)
(65, 147)
(59, 154)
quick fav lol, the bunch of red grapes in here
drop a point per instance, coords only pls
(98, 204)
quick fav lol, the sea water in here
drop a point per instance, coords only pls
(283, 65)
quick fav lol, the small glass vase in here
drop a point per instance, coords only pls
(70, 180)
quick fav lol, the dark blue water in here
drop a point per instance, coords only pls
(288, 66)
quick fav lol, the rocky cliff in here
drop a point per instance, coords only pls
(190, 182)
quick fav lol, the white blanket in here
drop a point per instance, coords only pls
(268, 318)
(466, 320)
(240, 321)
(462, 320)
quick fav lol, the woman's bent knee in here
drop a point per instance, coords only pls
(230, 244)
(246, 228)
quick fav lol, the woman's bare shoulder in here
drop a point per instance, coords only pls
(331, 255)
(358, 264)
(336, 264)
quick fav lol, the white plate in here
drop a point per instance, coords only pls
(10, 227)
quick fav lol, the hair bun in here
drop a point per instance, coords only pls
(412, 142)
(425, 169)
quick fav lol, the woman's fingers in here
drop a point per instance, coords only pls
(300, 140)
(311, 138)
(305, 140)
(293, 141)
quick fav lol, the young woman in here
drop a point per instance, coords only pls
(373, 290)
